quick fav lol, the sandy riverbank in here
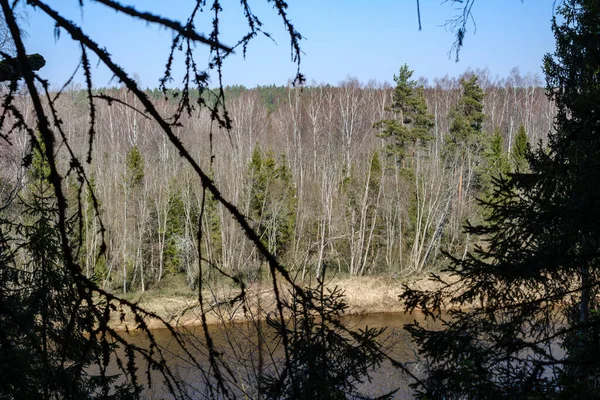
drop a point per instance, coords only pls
(363, 295)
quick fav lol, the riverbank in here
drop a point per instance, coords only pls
(363, 295)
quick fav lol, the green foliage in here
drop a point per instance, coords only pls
(134, 162)
(90, 248)
(533, 282)
(175, 230)
(211, 213)
(39, 170)
(325, 361)
(497, 156)
(101, 272)
(466, 142)
(412, 123)
(374, 175)
(581, 373)
(47, 338)
(496, 163)
(467, 117)
(520, 151)
(234, 91)
(271, 95)
(272, 200)
(361, 195)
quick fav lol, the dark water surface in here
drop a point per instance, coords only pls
(238, 344)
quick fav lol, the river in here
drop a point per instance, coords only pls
(237, 345)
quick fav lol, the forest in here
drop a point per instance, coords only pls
(484, 186)
(321, 171)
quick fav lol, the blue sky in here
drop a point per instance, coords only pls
(369, 40)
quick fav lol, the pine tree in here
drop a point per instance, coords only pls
(466, 130)
(412, 123)
(467, 117)
(533, 283)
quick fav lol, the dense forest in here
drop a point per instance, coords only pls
(326, 174)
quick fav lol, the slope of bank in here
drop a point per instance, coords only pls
(363, 295)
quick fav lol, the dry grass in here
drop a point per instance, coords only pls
(364, 295)
(367, 295)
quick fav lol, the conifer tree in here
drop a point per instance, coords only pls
(46, 341)
(362, 198)
(325, 362)
(466, 130)
(533, 282)
(135, 167)
(412, 123)
(467, 117)
(133, 178)
(272, 200)
(496, 163)
(519, 151)
(213, 241)
(174, 231)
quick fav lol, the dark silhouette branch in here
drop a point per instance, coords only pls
(12, 69)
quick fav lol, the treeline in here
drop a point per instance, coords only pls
(360, 178)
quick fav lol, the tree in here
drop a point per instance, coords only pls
(467, 117)
(465, 141)
(174, 228)
(90, 307)
(411, 131)
(272, 200)
(325, 362)
(497, 156)
(532, 283)
(412, 123)
(362, 213)
(519, 151)
(132, 181)
(496, 164)
(35, 106)
(46, 345)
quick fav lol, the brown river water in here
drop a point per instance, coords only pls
(237, 344)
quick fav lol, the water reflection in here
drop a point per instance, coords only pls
(245, 350)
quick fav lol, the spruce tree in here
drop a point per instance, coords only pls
(47, 338)
(326, 363)
(133, 179)
(519, 151)
(496, 163)
(272, 200)
(175, 230)
(532, 284)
